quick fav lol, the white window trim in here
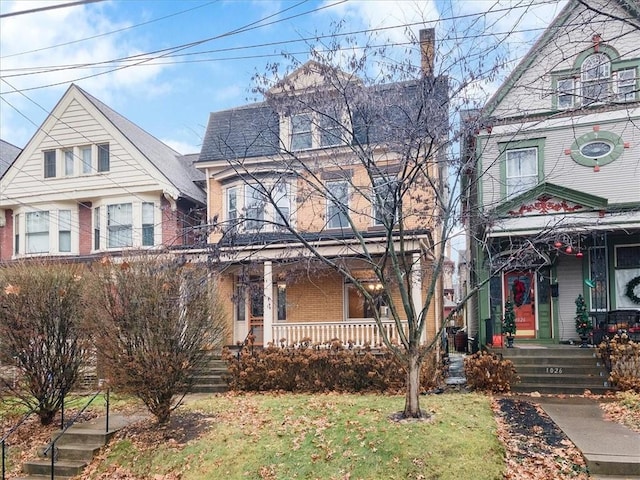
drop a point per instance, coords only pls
(270, 216)
(136, 214)
(507, 177)
(286, 126)
(54, 231)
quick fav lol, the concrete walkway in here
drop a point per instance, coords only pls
(610, 449)
(455, 374)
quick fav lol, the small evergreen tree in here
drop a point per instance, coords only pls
(509, 320)
(583, 322)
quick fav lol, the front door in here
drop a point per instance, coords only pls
(256, 312)
(543, 296)
(520, 288)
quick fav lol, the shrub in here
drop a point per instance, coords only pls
(489, 372)
(622, 357)
(320, 369)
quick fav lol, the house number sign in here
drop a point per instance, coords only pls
(554, 370)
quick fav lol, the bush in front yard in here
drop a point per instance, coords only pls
(489, 372)
(307, 369)
(622, 357)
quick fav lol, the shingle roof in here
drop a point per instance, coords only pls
(382, 113)
(178, 169)
(8, 153)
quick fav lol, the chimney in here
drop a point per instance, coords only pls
(427, 50)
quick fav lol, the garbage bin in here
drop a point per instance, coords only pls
(460, 341)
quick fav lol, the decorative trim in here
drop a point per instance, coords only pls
(608, 137)
(545, 205)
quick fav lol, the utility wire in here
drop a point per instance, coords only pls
(49, 7)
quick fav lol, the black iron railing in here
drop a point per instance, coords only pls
(51, 451)
(6, 436)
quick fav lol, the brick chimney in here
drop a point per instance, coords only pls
(427, 50)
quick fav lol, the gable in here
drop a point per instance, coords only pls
(533, 86)
(548, 199)
(74, 134)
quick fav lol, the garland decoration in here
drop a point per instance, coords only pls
(630, 290)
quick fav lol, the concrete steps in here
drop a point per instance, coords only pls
(210, 378)
(557, 369)
(74, 449)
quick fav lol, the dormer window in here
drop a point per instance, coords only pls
(595, 74)
(315, 130)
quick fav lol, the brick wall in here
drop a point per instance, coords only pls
(85, 222)
(6, 236)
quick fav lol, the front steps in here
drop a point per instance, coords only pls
(211, 377)
(557, 369)
(74, 449)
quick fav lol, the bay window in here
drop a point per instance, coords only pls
(148, 222)
(64, 230)
(37, 232)
(120, 225)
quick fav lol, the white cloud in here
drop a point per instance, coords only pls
(33, 44)
(182, 147)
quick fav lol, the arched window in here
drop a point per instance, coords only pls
(595, 74)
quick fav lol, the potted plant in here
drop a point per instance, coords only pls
(583, 322)
(509, 323)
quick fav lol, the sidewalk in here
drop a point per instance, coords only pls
(611, 450)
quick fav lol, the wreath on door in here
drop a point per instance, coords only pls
(630, 290)
(518, 291)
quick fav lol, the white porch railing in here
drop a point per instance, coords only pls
(357, 331)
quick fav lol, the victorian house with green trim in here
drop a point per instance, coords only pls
(552, 192)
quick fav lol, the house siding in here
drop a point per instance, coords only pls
(570, 286)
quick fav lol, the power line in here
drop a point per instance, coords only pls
(50, 7)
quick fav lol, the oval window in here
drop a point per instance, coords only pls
(596, 149)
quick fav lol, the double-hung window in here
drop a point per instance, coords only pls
(521, 170)
(49, 163)
(68, 163)
(626, 85)
(596, 78)
(96, 228)
(384, 201)
(148, 222)
(64, 230)
(330, 131)
(119, 225)
(103, 157)
(301, 132)
(337, 204)
(85, 157)
(282, 202)
(37, 232)
(566, 93)
(254, 208)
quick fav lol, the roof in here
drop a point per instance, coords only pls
(629, 6)
(178, 169)
(253, 130)
(8, 153)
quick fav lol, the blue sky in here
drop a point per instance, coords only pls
(171, 96)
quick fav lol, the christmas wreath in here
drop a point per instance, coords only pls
(630, 290)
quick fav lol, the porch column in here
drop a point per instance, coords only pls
(268, 303)
(416, 288)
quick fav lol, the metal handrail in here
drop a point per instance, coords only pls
(52, 446)
(3, 441)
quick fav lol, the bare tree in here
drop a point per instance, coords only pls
(154, 319)
(362, 141)
(41, 334)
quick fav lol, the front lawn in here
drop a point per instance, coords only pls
(312, 437)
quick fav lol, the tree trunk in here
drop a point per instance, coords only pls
(412, 400)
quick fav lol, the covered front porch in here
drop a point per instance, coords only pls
(283, 302)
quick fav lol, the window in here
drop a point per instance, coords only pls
(49, 164)
(147, 224)
(329, 131)
(103, 157)
(337, 204)
(64, 230)
(566, 93)
(282, 200)
(254, 208)
(232, 206)
(85, 156)
(384, 201)
(521, 170)
(282, 301)
(598, 275)
(119, 225)
(37, 232)
(16, 233)
(628, 256)
(301, 135)
(68, 163)
(595, 75)
(96, 228)
(626, 85)
(597, 149)
(241, 306)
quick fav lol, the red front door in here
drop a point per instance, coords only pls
(520, 288)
